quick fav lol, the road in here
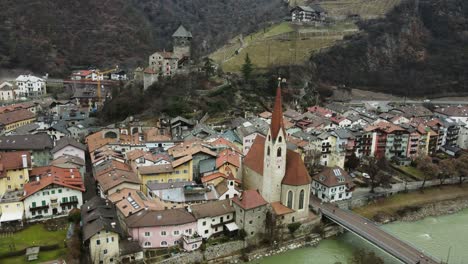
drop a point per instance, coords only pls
(368, 230)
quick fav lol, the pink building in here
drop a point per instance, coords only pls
(159, 229)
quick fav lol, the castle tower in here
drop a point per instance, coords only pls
(181, 42)
(274, 163)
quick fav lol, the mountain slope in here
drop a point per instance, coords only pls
(415, 50)
(52, 36)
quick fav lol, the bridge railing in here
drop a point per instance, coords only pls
(368, 221)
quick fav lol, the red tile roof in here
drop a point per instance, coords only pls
(334, 176)
(254, 158)
(226, 143)
(228, 156)
(250, 199)
(12, 161)
(217, 175)
(296, 172)
(12, 117)
(70, 178)
(280, 209)
(277, 115)
(384, 126)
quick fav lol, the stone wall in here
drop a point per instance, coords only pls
(192, 257)
(225, 249)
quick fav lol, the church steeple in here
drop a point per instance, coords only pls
(274, 160)
(277, 115)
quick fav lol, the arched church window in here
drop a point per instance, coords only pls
(268, 151)
(269, 138)
(290, 199)
(278, 152)
(280, 139)
(301, 200)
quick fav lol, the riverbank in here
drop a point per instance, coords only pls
(417, 205)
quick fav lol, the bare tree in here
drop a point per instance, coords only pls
(447, 169)
(378, 172)
(461, 165)
(429, 169)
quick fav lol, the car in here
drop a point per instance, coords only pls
(365, 175)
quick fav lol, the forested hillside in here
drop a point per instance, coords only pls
(418, 50)
(53, 36)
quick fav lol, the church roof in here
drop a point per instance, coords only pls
(277, 115)
(182, 32)
(296, 172)
(250, 199)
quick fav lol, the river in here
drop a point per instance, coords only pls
(435, 235)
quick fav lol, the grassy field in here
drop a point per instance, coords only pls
(280, 44)
(365, 8)
(35, 235)
(413, 172)
(417, 198)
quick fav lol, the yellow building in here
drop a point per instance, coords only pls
(14, 170)
(11, 208)
(12, 120)
(179, 170)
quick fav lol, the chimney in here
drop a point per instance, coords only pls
(72, 175)
(24, 157)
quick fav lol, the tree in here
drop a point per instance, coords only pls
(208, 67)
(429, 170)
(364, 257)
(447, 169)
(352, 162)
(247, 68)
(378, 172)
(461, 165)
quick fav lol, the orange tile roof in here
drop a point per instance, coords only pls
(12, 161)
(280, 209)
(384, 126)
(277, 115)
(216, 175)
(70, 178)
(250, 199)
(225, 142)
(213, 176)
(12, 117)
(265, 114)
(96, 140)
(228, 156)
(176, 163)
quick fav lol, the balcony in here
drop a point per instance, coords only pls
(31, 208)
(69, 202)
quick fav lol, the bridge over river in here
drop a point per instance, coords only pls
(369, 231)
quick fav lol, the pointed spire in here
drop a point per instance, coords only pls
(277, 115)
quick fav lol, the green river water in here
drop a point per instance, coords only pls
(435, 235)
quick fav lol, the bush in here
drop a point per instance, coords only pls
(74, 216)
(293, 227)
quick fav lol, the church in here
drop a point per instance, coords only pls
(278, 173)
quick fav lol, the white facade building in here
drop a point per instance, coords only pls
(8, 92)
(29, 86)
(332, 184)
(212, 217)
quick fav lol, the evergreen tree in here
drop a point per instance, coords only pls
(247, 68)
